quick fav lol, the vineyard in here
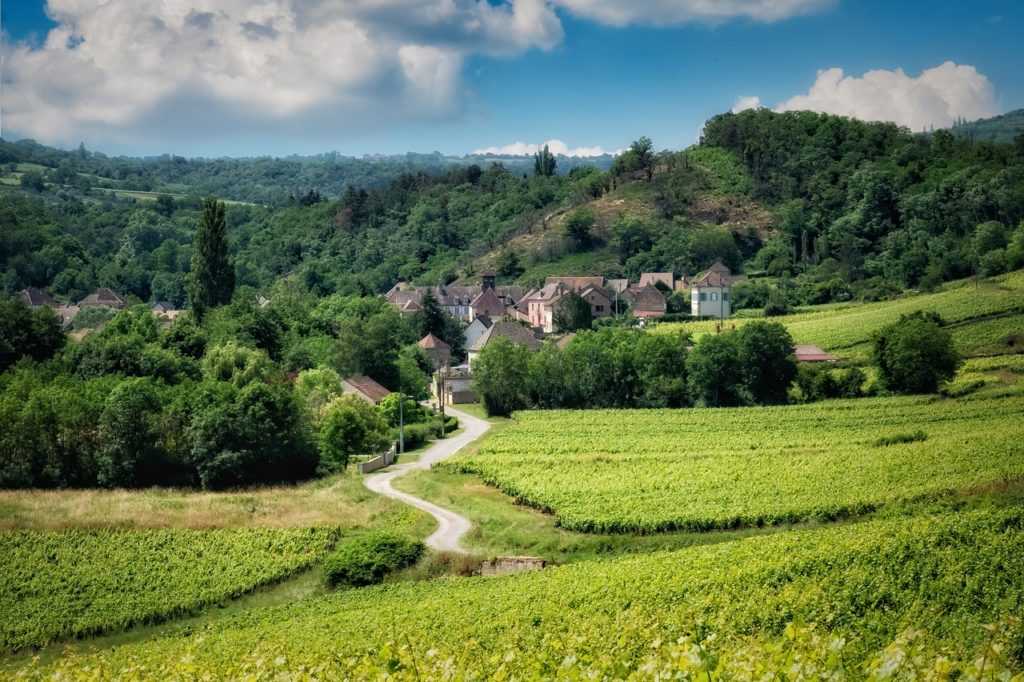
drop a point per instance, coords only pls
(655, 470)
(74, 583)
(982, 316)
(844, 599)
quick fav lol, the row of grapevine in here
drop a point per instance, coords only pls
(645, 471)
(75, 583)
(887, 598)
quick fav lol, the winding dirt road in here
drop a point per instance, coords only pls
(450, 526)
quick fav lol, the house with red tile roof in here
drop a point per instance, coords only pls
(364, 387)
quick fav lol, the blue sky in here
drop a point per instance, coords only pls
(386, 78)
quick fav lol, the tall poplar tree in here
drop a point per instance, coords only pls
(212, 280)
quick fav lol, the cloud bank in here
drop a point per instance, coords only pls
(146, 72)
(745, 102)
(556, 147)
(937, 97)
(165, 65)
(672, 12)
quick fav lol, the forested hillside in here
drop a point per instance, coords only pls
(1003, 128)
(823, 208)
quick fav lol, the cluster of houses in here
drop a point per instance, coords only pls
(526, 316)
(647, 299)
(101, 298)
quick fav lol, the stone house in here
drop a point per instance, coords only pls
(513, 331)
(36, 298)
(646, 302)
(439, 352)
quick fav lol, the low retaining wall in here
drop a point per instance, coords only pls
(511, 564)
(378, 462)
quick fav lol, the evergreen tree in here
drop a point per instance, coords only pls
(212, 280)
(544, 163)
(432, 319)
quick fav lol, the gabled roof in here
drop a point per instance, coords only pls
(488, 303)
(513, 331)
(647, 299)
(718, 275)
(102, 296)
(368, 387)
(588, 291)
(431, 342)
(576, 283)
(34, 297)
(652, 278)
(484, 320)
(162, 306)
(809, 353)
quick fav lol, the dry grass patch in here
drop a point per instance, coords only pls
(339, 501)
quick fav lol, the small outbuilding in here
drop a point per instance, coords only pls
(364, 387)
(439, 352)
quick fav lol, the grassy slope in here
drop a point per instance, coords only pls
(610, 618)
(339, 501)
(981, 316)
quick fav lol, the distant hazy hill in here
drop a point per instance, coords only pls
(261, 179)
(1002, 128)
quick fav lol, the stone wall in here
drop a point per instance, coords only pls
(511, 564)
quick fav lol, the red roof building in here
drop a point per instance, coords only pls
(364, 387)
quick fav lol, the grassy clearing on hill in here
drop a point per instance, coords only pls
(714, 609)
(338, 501)
(624, 471)
(75, 583)
(982, 315)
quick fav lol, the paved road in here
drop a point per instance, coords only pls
(450, 526)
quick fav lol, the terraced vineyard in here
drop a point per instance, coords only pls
(699, 469)
(726, 611)
(75, 583)
(982, 317)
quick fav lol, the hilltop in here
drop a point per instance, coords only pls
(1003, 128)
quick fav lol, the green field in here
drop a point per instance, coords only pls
(698, 469)
(981, 316)
(901, 595)
(74, 583)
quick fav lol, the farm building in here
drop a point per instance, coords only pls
(439, 352)
(364, 387)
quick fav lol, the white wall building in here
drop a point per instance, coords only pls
(711, 293)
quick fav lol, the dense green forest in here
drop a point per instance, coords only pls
(855, 210)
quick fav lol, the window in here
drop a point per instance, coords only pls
(703, 296)
(725, 295)
(714, 295)
(599, 308)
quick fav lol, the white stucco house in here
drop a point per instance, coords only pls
(711, 293)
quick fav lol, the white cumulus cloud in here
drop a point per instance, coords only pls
(160, 68)
(554, 146)
(672, 12)
(746, 102)
(936, 97)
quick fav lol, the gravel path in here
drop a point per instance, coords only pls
(450, 526)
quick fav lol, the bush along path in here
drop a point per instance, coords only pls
(451, 527)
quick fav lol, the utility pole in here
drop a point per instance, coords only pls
(401, 423)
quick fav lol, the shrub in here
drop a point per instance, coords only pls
(415, 435)
(915, 354)
(898, 438)
(368, 559)
(350, 426)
